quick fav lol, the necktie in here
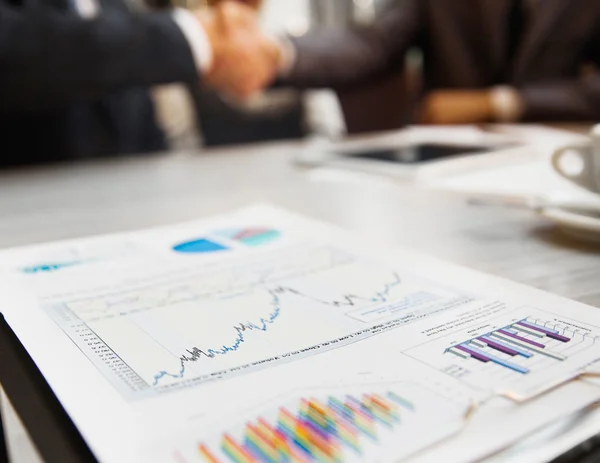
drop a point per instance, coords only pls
(516, 28)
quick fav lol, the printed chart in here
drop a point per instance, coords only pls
(58, 258)
(377, 423)
(521, 356)
(223, 240)
(231, 318)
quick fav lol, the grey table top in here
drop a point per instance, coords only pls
(68, 201)
(59, 202)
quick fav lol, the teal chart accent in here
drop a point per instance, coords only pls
(47, 268)
(223, 240)
(250, 236)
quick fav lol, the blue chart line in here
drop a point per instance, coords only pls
(47, 268)
(347, 300)
(263, 324)
(196, 354)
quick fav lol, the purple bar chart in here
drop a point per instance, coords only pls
(514, 340)
(519, 354)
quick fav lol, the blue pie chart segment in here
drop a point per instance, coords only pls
(227, 239)
(199, 246)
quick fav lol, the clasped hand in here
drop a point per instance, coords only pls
(245, 60)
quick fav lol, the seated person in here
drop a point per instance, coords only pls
(74, 78)
(274, 115)
(483, 60)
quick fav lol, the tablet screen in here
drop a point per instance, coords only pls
(414, 154)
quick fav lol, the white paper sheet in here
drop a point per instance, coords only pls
(198, 321)
(527, 173)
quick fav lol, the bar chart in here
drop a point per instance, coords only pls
(524, 339)
(521, 355)
(318, 430)
(371, 424)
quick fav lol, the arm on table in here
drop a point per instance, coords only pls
(342, 58)
(570, 101)
(573, 99)
(49, 59)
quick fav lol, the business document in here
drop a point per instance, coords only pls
(261, 335)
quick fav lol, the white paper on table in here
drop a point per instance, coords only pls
(123, 339)
(530, 176)
(535, 179)
(550, 137)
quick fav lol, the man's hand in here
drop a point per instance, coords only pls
(449, 107)
(245, 60)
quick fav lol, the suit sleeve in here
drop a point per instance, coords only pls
(49, 59)
(346, 57)
(576, 99)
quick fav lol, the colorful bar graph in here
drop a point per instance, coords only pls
(511, 342)
(320, 431)
(501, 361)
(537, 327)
(472, 353)
(455, 351)
(477, 343)
(498, 346)
(523, 329)
(548, 332)
(207, 454)
(511, 334)
(400, 401)
(546, 353)
(522, 352)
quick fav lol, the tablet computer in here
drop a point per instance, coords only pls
(417, 153)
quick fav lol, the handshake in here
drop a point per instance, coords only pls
(245, 60)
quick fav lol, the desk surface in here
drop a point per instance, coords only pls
(61, 202)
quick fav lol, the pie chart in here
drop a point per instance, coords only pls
(199, 246)
(249, 236)
(223, 240)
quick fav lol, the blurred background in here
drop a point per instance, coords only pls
(500, 90)
(286, 113)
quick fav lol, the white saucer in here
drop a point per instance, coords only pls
(581, 227)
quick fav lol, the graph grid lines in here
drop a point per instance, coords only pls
(523, 339)
(194, 354)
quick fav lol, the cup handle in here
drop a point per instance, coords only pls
(585, 177)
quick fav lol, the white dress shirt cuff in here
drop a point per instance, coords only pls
(196, 37)
(288, 55)
(507, 104)
(87, 9)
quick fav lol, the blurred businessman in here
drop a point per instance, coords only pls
(484, 60)
(74, 74)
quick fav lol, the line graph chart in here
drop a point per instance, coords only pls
(195, 354)
(163, 335)
(206, 283)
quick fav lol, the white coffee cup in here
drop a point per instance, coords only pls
(588, 173)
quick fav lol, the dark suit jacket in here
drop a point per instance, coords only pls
(463, 43)
(224, 124)
(71, 87)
